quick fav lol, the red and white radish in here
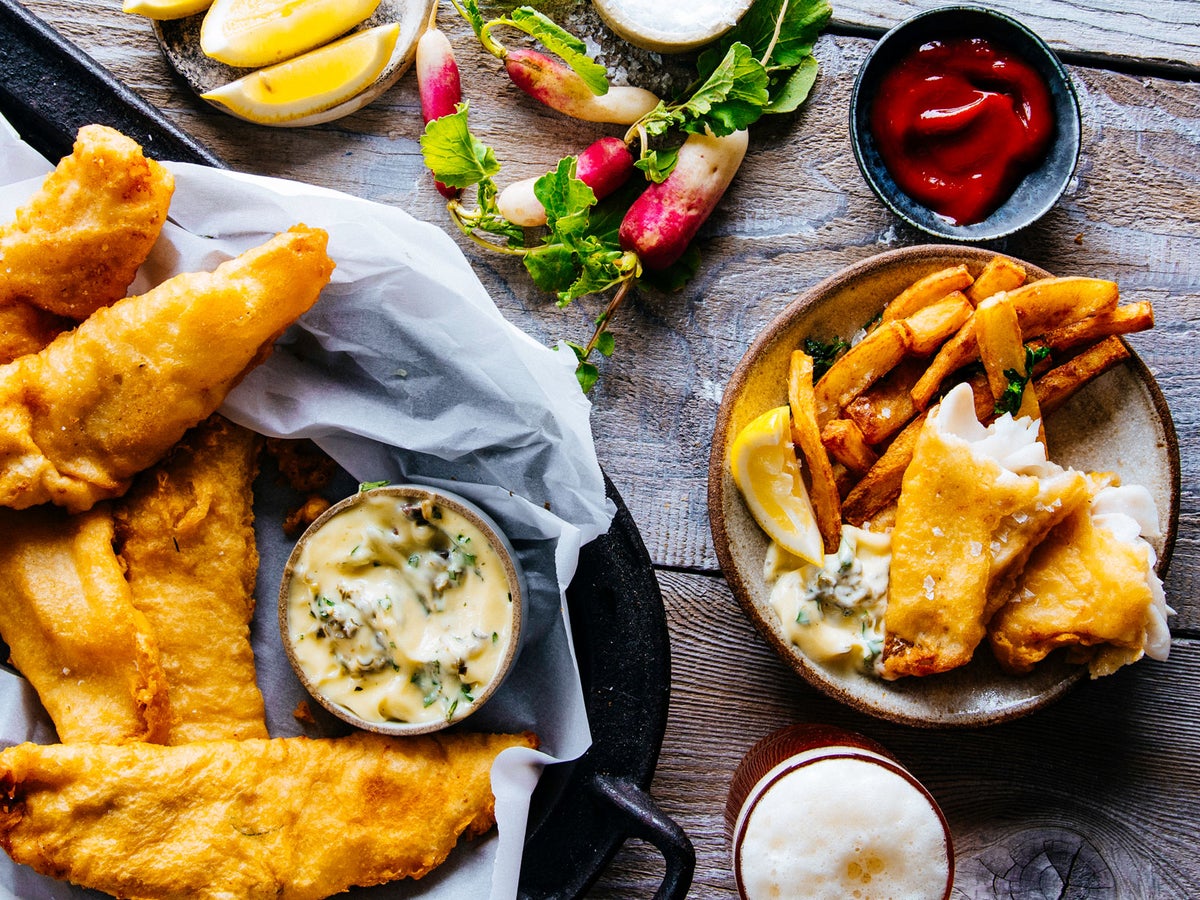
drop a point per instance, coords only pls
(604, 167)
(662, 222)
(438, 82)
(558, 86)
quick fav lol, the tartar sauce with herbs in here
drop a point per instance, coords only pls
(400, 611)
(834, 612)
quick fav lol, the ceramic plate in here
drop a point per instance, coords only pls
(1119, 422)
(180, 42)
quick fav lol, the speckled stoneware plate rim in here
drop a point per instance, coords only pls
(1045, 185)
(978, 694)
(512, 570)
(179, 40)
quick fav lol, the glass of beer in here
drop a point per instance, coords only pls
(818, 812)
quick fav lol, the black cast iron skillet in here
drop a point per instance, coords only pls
(583, 811)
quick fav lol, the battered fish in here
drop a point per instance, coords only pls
(974, 504)
(1090, 586)
(100, 404)
(26, 329)
(185, 532)
(76, 246)
(72, 629)
(289, 818)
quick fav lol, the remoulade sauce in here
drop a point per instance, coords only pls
(959, 123)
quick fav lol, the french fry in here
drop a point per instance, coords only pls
(881, 485)
(885, 407)
(957, 352)
(927, 291)
(1002, 351)
(930, 327)
(1000, 274)
(1061, 382)
(1122, 320)
(862, 365)
(845, 443)
(823, 489)
(1052, 302)
(1040, 306)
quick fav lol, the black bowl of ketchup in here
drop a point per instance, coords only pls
(965, 123)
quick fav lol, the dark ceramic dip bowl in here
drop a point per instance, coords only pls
(1039, 190)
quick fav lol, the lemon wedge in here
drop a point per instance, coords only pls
(766, 470)
(312, 83)
(165, 9)
(254, 33)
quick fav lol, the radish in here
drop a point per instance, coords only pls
(438, 83)
(558, 86)
(662, 222)
(604, 167)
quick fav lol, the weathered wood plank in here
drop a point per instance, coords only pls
(1162, 33)
(1107, 771)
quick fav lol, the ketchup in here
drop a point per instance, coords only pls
(959, 123)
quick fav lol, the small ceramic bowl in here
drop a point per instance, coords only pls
(659, 27)
(1118, 422)
(1039, 190)
(400, 609)
(816, 805)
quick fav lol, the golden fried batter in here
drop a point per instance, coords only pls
(289, 818)
(185, 532)
(79, 419)
(73, 631)
(26, 329)
(1087, 588)
(76, 246)
(965, 526)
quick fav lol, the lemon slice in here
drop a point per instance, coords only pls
(766, 470)
(254, 33)
(165, 9)
(312, 83)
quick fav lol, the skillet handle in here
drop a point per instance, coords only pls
(644, 819)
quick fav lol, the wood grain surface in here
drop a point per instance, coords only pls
(1095, 796)
(1141, 34)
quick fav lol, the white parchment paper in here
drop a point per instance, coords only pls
(404, 370)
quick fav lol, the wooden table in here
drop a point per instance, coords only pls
(1096, 796)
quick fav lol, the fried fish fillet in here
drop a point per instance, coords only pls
(26, 329)
(1090, 586)
(289, 818)
(975, 502)
(101, 403)
(185, 532)
(73, 631)
(76, 246)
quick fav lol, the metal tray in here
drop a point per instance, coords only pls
(583, 811)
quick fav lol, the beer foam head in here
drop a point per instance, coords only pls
(843, 828)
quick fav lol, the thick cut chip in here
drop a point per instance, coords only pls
(1090, 586)
(79, 419)
(76, 246)
(1122, 320)
(824, 492)
(185, 532)
(927, 291)
(290, 818)
(73, 631)
(974, 503)
(863, 364)
(1000, 274)
(886, 407)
